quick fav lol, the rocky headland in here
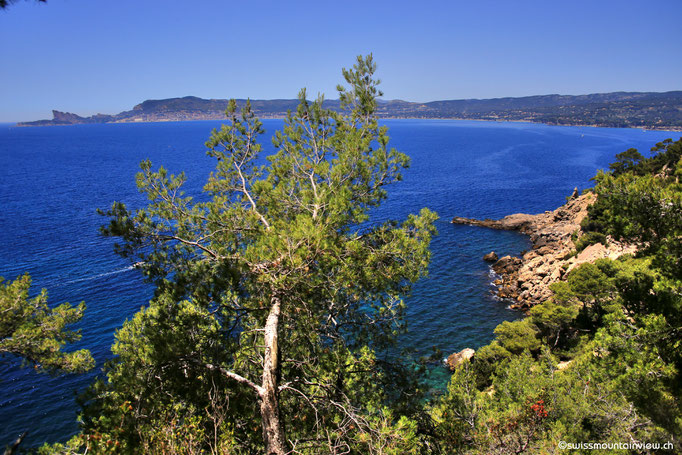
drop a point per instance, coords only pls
(525, 280)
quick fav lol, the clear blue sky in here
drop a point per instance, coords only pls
(88, 56)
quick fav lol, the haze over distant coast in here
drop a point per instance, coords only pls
(651, 110)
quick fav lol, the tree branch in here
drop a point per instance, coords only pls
(241, 379)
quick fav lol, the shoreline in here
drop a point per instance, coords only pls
(672, 129)
(525, 281)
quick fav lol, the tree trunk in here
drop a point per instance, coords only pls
(273, 432)
(11, 450)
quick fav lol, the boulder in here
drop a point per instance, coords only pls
(458, 357)
(507, 264)
(592, 253)
(547, 249)
(508, 292)
(544, 270)
(490, 257)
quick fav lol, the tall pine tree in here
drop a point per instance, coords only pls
(276, 286)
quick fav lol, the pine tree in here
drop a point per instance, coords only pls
(30, 329)
(283, 281)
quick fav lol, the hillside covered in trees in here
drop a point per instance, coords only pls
(619, 109)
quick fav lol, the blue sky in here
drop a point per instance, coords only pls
(88, 56)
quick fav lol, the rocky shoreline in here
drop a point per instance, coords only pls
(525, 280)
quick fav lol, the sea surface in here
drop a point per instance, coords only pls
(52, 180)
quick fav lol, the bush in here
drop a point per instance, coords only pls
(517, 336)
(485, 362)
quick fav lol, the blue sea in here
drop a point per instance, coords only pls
(52, 180)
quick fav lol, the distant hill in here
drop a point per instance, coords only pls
(650, 110)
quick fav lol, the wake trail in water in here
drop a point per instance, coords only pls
(99, 275)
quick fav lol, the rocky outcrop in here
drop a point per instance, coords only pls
(66, 117)
(526, 280)
(613, 250)
(514, 222)
(507, 265)
(458, 357)
(490, 257)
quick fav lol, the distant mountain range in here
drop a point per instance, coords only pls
(649, 110)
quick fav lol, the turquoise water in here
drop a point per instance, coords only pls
(53, 179)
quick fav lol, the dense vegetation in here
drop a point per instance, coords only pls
(275, 297)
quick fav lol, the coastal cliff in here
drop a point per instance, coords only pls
(525, 280)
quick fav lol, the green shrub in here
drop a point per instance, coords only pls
(517, 336)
